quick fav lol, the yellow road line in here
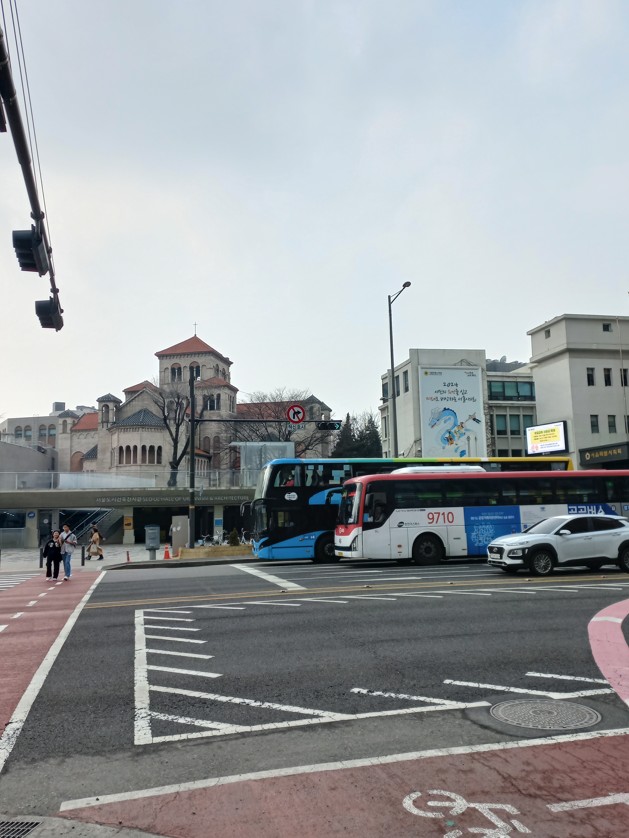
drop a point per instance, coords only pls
(401, 586)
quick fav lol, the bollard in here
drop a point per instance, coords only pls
(41, 556)
(128, 556)
(82, 555)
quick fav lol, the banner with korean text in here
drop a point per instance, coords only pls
(451, 410)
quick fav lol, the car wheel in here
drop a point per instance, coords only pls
(428, 549)
(324, 550)
(623, 559)
(542, 563)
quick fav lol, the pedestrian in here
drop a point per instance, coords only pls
(52, 554)
(68, 543)
(94, 548)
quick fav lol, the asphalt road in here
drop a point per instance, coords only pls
(175, 674)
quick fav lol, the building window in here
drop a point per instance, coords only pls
(503, 452)
(385, 389)
(501, 424)
(18, 432)
(134, 455)
(623, 377)
(28, 433)
(607, 327)
(385, 426)
(514, 425)
(52, 435)
(511, 391)
(611, 424)
(590, 376)
(594, 423)
(607, 376)
(527, 421)
(195, 371)
(143, 454)
(397, 385)
(43, 433)
(546, 333)
(405, 380)
(175, 372)
(516, 452)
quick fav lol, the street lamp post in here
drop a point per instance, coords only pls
(392, 393)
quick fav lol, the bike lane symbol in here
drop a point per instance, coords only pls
(457, 805)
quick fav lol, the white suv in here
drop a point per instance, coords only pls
(590, 540)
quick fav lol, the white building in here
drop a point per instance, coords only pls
(454, 403)
(580, 366)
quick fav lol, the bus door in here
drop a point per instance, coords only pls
(377, 536)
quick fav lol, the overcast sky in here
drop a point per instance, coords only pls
(273, 169)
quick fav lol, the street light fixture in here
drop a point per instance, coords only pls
(392, 393)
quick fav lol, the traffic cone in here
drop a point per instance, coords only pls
(166, 552)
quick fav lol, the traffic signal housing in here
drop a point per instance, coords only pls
(334, 425)
(30, 250)
(49, 313)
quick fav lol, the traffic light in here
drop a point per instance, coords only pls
(49, 313)
(30, 250)
(334, 425)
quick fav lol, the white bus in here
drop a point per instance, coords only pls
(429, 517)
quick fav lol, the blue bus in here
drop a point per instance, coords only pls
(295, 506)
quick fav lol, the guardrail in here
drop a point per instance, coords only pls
(44, 480)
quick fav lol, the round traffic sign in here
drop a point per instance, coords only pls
(295, 414)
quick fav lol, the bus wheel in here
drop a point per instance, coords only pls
(542, 563)
(428, 549)
(324, 549)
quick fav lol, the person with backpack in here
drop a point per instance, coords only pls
(68, 543)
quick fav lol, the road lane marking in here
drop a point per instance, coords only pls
(17, 614)
(606, 620)
(389, 759)
(222, 607)
(377, 694)
(32, 602)
(179, 654)
(186, 720)
(272, 602)
(424, 596)
(593, 802)
(566, 677)
(2, 628)
(368, 596)
(464, 593)
(580, 694)
(251, 702)
(508, 591)
(173, 639)
(269, 577)
(172, 628)
(17, 720)
(171, 619)
(165, 611)
(340, 601)
(141, 714)
(185, 671)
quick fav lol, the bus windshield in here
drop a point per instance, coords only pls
(350, 506)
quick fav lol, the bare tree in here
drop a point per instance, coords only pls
(173, 406)
(268, 422)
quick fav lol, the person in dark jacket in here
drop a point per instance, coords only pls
(52, 554)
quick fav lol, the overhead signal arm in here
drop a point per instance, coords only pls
(32, 247)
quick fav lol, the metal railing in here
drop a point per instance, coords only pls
(11, 481)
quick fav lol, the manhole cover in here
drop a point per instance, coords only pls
(545, 714)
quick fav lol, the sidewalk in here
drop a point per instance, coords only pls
(21, 559)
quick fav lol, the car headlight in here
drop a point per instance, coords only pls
(516, 552)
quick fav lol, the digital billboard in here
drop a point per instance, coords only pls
(451, 410)
(547, 439)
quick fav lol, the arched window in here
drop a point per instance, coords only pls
(52, 435)
(166, 375)
(64, 426)
(127, 455)
(175, 372)
(18, 432)
(134, 455)
(195, 370)
(216, 454)
(28, 433)
(159, 455)
(151, 454)
(210, 403)
(76, 461)
(143, 453)
(223, 373)
(121, 456)
(105, 414)
(206, 445)
(43, 433)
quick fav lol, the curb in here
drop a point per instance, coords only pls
(181, 562)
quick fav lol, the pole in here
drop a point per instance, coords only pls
(392, 389)
(392, 393)
(191, 450)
